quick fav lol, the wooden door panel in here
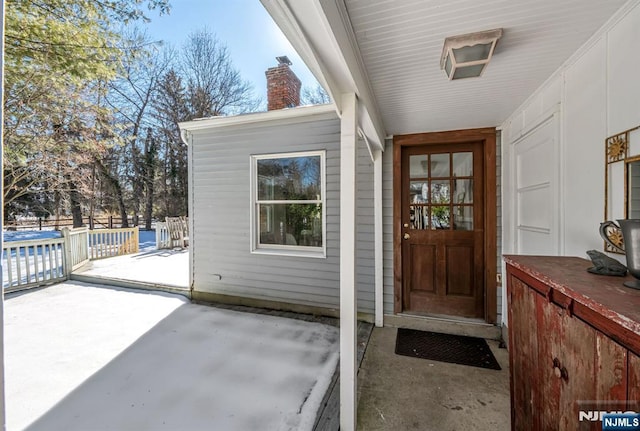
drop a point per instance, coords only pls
(549, 319)
(422, 271)
(460, 270)
(577, 350)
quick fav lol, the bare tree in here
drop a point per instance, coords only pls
(131, 97)
(214, 85)
(314, 96)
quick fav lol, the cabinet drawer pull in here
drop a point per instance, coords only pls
(564, 374)
(560, 371)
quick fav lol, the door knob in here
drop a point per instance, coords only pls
(406, 225)
(407, 236)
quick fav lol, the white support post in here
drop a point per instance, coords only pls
(2, 403)
(67, 259)
(377, 227)
(348, 293)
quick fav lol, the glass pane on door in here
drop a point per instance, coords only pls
(418, 192)
(418, 166)
(440, 193)
(463, 217)
(440, 165)
(463, 192)
(440, 217)
(418, 217)
(463, 164)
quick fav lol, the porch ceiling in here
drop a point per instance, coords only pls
(401, 42)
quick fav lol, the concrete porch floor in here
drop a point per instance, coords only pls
(401, 393)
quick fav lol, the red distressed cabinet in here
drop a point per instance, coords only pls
(574, 341)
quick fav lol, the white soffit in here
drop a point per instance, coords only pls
(400, 43)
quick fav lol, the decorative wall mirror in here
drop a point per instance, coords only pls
(622, 181)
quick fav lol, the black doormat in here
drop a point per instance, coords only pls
(445, 348)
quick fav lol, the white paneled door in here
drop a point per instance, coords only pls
(536, 179)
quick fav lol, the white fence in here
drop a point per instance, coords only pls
(44, 261)
(173, 232)
(33, 263)
(163, 238)
(76, 247)
(113, 242)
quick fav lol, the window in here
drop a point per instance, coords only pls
(288, 203)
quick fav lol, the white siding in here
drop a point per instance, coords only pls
(221, 255)
(596, 94)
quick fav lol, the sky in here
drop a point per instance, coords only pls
(252, 38)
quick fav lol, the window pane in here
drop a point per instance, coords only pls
(463, 193)
(463, 164)
(419, 217)
(440, 193)
(418, 167)
(290, 178)
(440, 165)
(440, 217)
(291, 224)
(418, 192)
(463, 218)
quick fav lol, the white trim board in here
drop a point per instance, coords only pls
(289, 115)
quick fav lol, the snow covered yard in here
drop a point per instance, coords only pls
(82, 357)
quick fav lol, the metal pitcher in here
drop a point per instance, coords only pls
(625, 237)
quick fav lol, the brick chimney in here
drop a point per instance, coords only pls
(283, 86)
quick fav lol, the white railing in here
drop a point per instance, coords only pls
(76, 246)
(44, 261)
(113, 242)
(163, 238)
(33, 263)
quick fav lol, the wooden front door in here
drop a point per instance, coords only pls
(442, 216)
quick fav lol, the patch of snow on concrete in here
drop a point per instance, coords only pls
(56, 338)
(164, 267)
(190, 367)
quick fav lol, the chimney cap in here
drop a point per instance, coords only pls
(284, 60)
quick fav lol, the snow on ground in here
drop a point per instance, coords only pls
(27, 235)
(164, 267)
(147, 240)
(56, 338)
(191, 367)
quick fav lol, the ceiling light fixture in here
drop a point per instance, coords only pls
(467, 55)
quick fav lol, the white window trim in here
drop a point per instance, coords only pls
(279, 249)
